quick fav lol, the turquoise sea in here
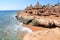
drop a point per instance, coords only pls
(10, 27)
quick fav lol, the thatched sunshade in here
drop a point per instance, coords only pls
(37, 5)
(29, 7)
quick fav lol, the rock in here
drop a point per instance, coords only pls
(57, 22)
(27, 21)
(25, 18)
(34, 23)
(49, 21)
(43, 21)
(51, 34)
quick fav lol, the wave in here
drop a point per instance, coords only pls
(11, 28)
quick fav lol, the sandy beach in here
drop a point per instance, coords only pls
(35, 28)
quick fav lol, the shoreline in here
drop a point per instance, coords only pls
(34, 28)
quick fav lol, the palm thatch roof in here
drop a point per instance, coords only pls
(37, 5)
(29, 7)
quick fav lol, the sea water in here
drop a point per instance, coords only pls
(10, 27)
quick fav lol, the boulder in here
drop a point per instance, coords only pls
(50, 34)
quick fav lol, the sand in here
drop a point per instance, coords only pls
(35, 28)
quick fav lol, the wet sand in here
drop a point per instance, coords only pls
(35, 28)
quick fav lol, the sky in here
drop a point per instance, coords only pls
(21, 4)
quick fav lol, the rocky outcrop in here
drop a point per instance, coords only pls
(51, 34)
(49, 21)
(46, 16)
(25, 18)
